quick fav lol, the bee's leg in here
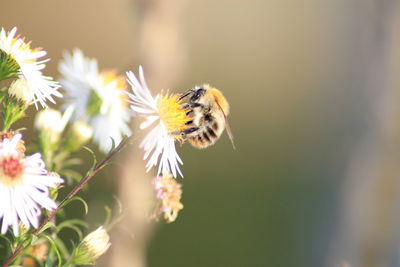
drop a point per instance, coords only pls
(186, 131)
(192, 105)
(190, 130)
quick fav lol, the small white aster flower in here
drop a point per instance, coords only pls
(24, 186)
(40, 87)
(166, 115)
(98, 98)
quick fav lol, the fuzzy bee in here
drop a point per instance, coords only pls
(209, 110)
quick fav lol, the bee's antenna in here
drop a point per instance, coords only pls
(185, 95)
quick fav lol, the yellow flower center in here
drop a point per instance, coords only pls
(172, 114)
(110, 76)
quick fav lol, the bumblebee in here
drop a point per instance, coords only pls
(209, 110)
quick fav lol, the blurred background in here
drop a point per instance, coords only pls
(314, 92)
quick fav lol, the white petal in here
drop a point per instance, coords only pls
(149, 121)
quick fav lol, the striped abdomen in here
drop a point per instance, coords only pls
(207, 134)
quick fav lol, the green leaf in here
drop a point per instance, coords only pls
(72, 175)
(94, 158)
(85, 205)
(9, 242)
(54, 246)
(75, 229)
(119, 203)
(61, 247)
(108, 215)
(75, 222)
(72, 162)
(72, 224)
(45, 227)
(34, 239)
(112, 144)
(3, 93)
(28, 240)
(21, 129)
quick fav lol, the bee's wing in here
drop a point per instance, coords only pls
(229, 131)
(227, 127)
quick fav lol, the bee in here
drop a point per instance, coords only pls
(209, 110)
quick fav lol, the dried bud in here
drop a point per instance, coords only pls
(168, 193)
(91, 247)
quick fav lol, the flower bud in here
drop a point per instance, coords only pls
(91, 247)
(51, 123)
(49, 120)
(20, 90)
(81, 133)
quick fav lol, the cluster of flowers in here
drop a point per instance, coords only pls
(98, 107)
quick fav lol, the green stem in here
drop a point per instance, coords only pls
(99, 166)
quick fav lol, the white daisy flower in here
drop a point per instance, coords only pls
(24, 186)
(166, 115)
(40, 87)
(98, 98)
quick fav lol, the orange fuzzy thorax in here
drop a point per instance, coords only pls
(220, 99)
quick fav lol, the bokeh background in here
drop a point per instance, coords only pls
(314, 92)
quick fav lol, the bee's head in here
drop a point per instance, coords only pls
(197, 93)
(194, 94)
